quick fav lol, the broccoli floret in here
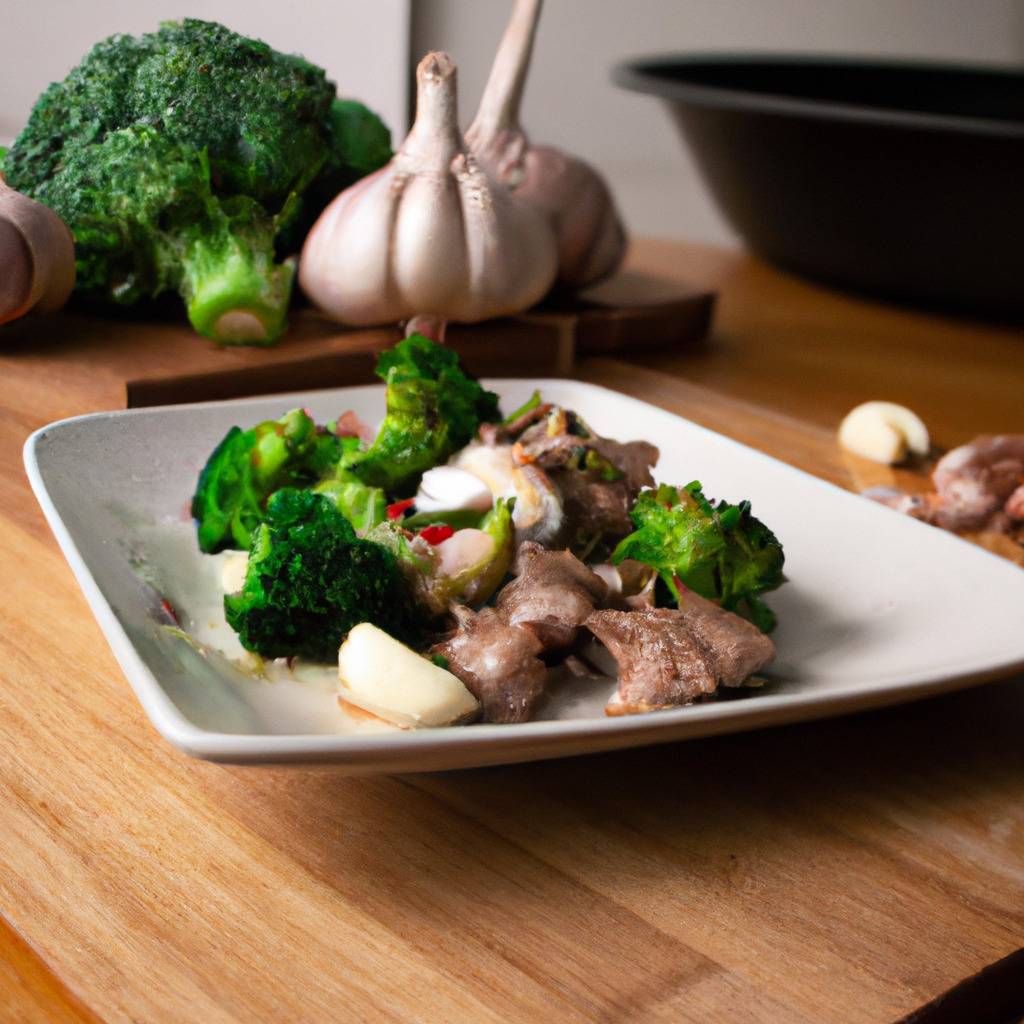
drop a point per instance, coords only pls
(433, 409)
(310, 580)
(248, 466)
(721, 552)
(177, 158)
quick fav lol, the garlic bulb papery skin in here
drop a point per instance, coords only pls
(429, 234)
(37, 257)
(568, 191)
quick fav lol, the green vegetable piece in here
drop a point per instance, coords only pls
(180, 158)
(433, 409)
(487, 578)
(528, 406)
(248, 466)
(361, 142)
(364, 507)
(457, 519)
(476, 583)
(721, 552)
(310, 579)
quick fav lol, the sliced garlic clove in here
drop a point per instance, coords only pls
(393, 682)
(447, 488)
(884, 432)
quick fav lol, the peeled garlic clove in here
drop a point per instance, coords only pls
(569, 192)
(884, 432)
(393, 682)
(429, 234)
(37, 257)
(447, 488)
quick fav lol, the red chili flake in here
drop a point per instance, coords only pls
(399, 508)
(169, 611)
(436, 534)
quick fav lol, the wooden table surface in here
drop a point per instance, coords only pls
(846, 870)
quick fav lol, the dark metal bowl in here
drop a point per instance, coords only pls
(902, 180)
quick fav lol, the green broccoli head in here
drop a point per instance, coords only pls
(310, 580)
(433, 409)
(250, 465)
(721, 552)
(178, 158)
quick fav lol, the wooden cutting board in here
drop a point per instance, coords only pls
(151, 361)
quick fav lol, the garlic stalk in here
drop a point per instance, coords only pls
(37, 256)
(570, 193)
(429, 234)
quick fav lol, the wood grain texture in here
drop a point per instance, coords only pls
(30, 993)
(845, 870)
(155, 361)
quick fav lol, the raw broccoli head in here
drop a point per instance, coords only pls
(433, 409)
(721, 552)
(248, 466)
(310, 580)
(178, 157)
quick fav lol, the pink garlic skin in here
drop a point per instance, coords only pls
(37, 257)
(577, 202)
(570, 193)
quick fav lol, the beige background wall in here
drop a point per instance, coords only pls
(570, 101)
(365, 45)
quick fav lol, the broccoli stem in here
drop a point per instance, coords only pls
(233, 290)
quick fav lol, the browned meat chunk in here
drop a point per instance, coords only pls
(497, 662)
(668, 657)
(598, 478)
(594, 509)
(737, 648)
(633, 459)
(552, 596)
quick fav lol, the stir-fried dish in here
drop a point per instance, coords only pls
(455, 558)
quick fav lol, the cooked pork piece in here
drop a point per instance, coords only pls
(668, 656)
(594, 509)
(552, 595)
(598, 478)
(737, 647)
(633, 459)
(497, 662)
(561, 438)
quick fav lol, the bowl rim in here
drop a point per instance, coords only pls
(646, 75)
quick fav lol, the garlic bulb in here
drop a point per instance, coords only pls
(569, 192)
(430, 233)
(37, 256)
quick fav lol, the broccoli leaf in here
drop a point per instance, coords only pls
(433, 409)
(721, 552)
(248, 466)
(310, 579)
(363, 506)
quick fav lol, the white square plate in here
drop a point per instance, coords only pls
(879, 608)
